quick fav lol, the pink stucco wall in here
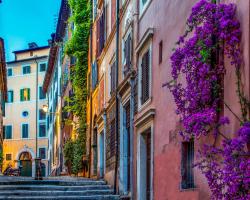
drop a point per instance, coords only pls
(168, 17)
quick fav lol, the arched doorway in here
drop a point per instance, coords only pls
(26, 164)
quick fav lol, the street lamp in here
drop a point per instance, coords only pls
(45, 108)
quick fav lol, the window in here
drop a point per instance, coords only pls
(145, 77)
(31, 53)
(187, 174)
(25, 113)
(127, 54)
(7, 132)
(25, 130)
(101, 34)
(160, 52)
(94, 75)
(42, 153)
(10, 96)
(8, 156)
(25, 94)
(42, 130)
(112, 78)
(143, 4)
(42, 67)
(26, 70)
(42, 95)
(10, 72)
(112, 138)
(42, 115)
(94, 9)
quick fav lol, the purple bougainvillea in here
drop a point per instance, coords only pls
(197, 70)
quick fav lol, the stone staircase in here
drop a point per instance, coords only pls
(74, 189)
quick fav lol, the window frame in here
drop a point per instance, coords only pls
(45, 149)
(147, 47)
(42, 123)
(26, 115)
(42, 63)
(22, 94)
(10, 156)
(39, 115)
(187, 184)
(12, 91)
(143, 8)
(40, 96)
(111, 89)
(28, 130)
(5, 126)
(128, 33)
(11, 69)
(25, 73)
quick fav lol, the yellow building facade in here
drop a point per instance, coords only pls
(25, 76)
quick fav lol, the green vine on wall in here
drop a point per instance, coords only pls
(78, 46)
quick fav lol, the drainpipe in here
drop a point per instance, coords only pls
(90, 125)
(104, 143)
(132, 101)
(116, 95)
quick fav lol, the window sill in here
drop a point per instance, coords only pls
(189, 189)
(144, 105)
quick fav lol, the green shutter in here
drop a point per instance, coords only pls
(12, 96)
(21, 95)
(28, 94)
(23, 131)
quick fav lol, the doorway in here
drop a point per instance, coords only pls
(101, 153)
(95, 152)
(144, 165)
(26, 164)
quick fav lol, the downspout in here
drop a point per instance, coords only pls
(104, 147)
(132, 103)
(132, 82)
(90, 92)
(116, 95)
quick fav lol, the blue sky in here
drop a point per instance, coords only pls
(24, 21)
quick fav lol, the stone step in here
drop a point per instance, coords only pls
(53, 187)
(93, 197)
(53, 182)
(55, 193)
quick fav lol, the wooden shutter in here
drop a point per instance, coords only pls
(112, 138)
(4, 132)
(28, 69)
(113, 78)
(28, 94)
(21, 94)
(129, 57)
(145, 78)
(12, 96)
(113, 13)
(125, 55)
(98, 37)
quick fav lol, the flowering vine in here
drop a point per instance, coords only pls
(197, 70)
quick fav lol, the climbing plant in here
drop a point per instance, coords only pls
(213, 31)
(78, 46)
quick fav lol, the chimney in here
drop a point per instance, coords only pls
(49, 42)
(32, 45)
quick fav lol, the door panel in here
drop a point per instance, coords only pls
(26, 167)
